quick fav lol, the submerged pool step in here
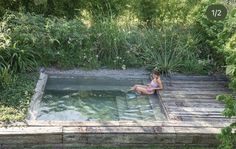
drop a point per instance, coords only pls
(136, 109)
(121, 105)
(130, 112)
(86, 87)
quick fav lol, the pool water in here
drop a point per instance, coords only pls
(97, 105)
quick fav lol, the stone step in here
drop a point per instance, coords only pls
(121, 105)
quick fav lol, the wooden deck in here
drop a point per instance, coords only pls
(193, 98)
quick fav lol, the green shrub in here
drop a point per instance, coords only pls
(7, 77)
(220, 39)
(213, 34)
(57, 42)
(70, 45)
(228, 134)
(15, 99)
(46, 41)
(19, 60)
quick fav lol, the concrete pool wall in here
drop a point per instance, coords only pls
(83, 84)
(174, 131)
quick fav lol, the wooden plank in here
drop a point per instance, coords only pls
(198, 78)
(192, 130)
(193, 113)
(30, 130)
(30, 135)
(33, 146)
(184, 139)
(214, 124)
(108, 129)
(97, 123)
(134, 138)
(196, 85)
(114, 130)
(181, 88)
(194, 92)
(170, 123)
(200, 101)
(188, 96)
(196, 114)
(202, 115)
(208, 138)
(110, 145)
(195, 82)
(139, 123)
(195, 104)
(71, 123)
(194, 109)
(24, 139)
(119, 138)
(163, 107)
(208, 119)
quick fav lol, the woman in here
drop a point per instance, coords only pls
(149, 89)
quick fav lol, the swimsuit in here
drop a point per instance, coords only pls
(154, 85)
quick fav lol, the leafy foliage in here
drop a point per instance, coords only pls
(220, 38)
(148, 11)
(61, 43)
(210, 43)
(228, 135)
(15, 99)
(19, 60)
(7, 77)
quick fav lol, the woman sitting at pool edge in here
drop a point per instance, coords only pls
(149, 89)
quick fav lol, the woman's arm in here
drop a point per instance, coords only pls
(160, 84)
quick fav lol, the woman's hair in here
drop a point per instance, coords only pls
(156, 72)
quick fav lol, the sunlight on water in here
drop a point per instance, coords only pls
(96, 105)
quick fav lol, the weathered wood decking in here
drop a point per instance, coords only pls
(193, 98)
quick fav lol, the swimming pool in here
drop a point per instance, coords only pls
(89, 98)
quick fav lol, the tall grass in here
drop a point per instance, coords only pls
(112, 44)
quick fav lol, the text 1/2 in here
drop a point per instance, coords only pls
(216, 13)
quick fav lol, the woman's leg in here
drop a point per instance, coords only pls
(135, 86)
(143, 90)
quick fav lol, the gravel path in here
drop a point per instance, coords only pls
(128, 73)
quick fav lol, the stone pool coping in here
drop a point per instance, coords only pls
(59, 134)
(123, 133)
(36, 99)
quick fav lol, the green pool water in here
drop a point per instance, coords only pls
(96, 105)
(93, 99)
